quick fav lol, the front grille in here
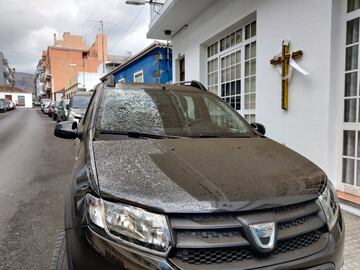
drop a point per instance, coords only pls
(207, 256)
(223, 255)
(294, 222)
(221, 238)
(298, 242)
(209, 234)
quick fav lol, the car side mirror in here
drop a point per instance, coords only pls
(67, 106)
(110, 81)
(260, 128)
(66, 130)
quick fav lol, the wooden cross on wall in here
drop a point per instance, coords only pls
(284, 60)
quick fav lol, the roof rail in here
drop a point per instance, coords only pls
(192, 83)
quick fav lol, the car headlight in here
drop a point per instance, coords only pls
(72, 114)
(132, 224)
(330, 205)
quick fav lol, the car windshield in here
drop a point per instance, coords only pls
(168, 113)
(79, 101)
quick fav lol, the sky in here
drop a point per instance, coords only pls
(27, 26)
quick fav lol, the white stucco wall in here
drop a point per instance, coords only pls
(308, 125)
(28, 98)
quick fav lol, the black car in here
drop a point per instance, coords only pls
(77, 105)
(2, 106)
(171, 177)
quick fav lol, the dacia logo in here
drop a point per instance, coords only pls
(263, 235)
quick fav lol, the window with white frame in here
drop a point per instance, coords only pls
(231, 70)
(351, 118)
(139, 76)
(122, 80)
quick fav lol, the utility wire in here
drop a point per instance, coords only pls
(127, 30)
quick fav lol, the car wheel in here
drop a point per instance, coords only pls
(59, 261)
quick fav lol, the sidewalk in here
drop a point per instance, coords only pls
(352, 241)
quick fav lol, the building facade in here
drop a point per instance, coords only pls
(228, 45)
(39, 79)
(68, 56)
(21, 97)
(81, 81)
(6, 72)
(151, 65)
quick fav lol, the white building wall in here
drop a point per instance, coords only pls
(308, 125)
(28, 98)
(88, 80)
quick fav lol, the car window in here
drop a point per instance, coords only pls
(80, 101)
(168, 112)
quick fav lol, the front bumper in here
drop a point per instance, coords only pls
(87, 249)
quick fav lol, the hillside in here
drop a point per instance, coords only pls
(24, 81)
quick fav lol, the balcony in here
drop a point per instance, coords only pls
(48, 87)
(155, 8)
(173, 16)
(47, 75)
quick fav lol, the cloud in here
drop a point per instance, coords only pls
(27, 27)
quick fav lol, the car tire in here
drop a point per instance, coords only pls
(59, 261)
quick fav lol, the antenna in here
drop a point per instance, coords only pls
(101, 22)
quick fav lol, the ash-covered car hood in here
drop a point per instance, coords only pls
(205, 175)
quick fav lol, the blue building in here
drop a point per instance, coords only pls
(151, 65)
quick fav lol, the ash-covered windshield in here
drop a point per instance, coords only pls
(168, 112)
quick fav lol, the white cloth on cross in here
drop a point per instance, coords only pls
(292, 63)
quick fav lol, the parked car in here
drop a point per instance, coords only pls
(56, 108)
(46, 107)
(11, 104)
(77, 105)
(52, 107)
(171, 177)
(62, 110)
(2, 106)
(43, 102)
(7, 104)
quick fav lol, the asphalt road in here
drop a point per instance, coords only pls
(35, 168)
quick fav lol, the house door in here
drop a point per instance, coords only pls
(9, 97)
(21, 101)
(182, 69)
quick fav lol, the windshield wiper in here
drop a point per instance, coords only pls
(134, 134)
(204, 135)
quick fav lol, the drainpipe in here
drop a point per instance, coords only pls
(167, 60)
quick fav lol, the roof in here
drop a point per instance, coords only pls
(118, 59)
(137, 56)
(12, 89)
(68, 49)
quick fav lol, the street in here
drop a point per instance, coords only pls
(35, 167)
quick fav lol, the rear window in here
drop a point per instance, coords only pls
(79, 101)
